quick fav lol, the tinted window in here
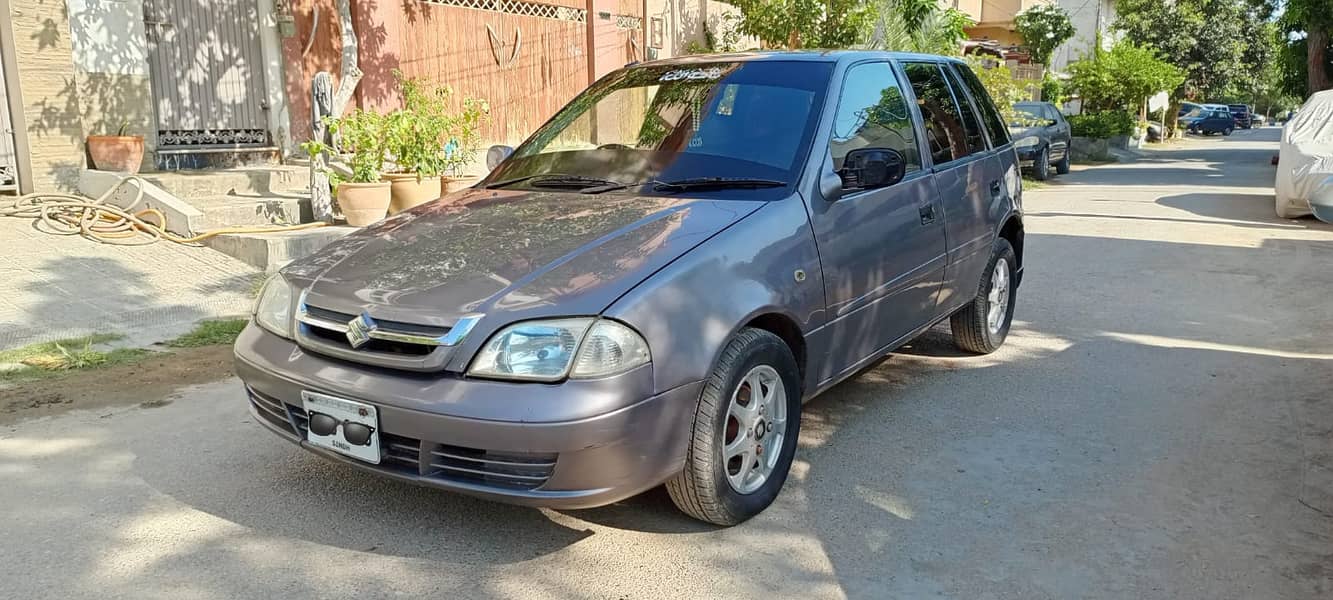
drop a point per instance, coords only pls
(668, 122)
(976, 137)
(872, 113)
(944, 124)
(999, 136)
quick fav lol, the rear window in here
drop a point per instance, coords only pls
(995, 128)
(945, 134)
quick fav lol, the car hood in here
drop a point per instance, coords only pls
(522, 253)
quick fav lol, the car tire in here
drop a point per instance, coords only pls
(982, 326)
(713, 487)
(1062, 167)
(1041, 166)
(1227, 131)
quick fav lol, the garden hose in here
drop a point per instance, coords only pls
(100, 221)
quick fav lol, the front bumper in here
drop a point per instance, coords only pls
(526, 458)
(1027, 156)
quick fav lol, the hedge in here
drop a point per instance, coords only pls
(1102, 125)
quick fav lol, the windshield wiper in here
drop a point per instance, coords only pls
(719, 183)
(556, 180)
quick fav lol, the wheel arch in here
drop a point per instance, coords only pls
(1012, 231)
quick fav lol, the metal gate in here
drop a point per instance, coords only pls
(207, 72)
(9, 173)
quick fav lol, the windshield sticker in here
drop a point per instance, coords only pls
(710, 74)
(728, 102)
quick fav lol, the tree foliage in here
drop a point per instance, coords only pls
(1044, 27)
(999, 82)
(1122, 78)
(1306, 31)
(1204, 38)
(805, 23)
(918, 26)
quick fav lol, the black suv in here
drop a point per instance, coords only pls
(1244, 118)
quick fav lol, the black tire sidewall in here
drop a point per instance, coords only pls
(1041, 166)
(1002, 250)
(768, 350)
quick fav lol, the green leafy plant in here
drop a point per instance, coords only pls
(796, 24)
(210, 333)
(464, 135)
(1052, 89)
(1043, 28)
(360, 137)
(1000, 83)
(1122, 78)
(918, 26)
(1102, 124)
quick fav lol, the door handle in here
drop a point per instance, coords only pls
(927, 213)
(995, 189)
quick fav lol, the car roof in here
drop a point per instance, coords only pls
(829, 56)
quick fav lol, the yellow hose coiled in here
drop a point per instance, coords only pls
(100, 221)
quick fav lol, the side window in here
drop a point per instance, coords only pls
(976, 137)
(944, 123)
(999, 134)
(872, 113)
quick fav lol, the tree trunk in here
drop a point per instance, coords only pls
(1316, 47)
(794, 39)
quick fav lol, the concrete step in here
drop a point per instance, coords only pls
(251, 181)
(272, 251)
(243, 211)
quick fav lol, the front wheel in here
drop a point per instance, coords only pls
(744, 432)
(1227, 131)
(1041, 166)
(1062, 167)
(983, 324)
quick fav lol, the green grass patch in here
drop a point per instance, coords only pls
(210, 333)
(1032, 184)
(49, 348)
(67, 359)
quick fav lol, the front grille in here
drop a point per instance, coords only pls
(328, 327)
(443, 462)
(339, 339)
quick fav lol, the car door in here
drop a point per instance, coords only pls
(969, 179)
(882, 250)
(1059, 133)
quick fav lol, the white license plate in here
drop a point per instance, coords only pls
(344, 412)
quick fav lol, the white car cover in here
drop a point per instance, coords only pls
(1305, 157)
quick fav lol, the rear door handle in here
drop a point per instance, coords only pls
(927, 214)
(995, 189)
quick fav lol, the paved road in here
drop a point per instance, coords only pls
(1159, 426)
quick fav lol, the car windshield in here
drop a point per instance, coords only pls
(1026, 116)
(1195, 112)
(730, 120)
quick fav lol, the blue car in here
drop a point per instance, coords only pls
(1205, 120)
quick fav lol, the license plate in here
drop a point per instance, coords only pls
(344, 412)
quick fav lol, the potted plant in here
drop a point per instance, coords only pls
(363, 197)
(463, 144)
(120, 152)
(412, 139)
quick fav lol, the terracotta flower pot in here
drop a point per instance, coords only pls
(408, 190)
(363, 203)
(449, 185)
(122, 153)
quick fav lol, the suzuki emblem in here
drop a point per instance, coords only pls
(358, 330)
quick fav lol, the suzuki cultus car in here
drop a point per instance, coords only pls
(647, 289)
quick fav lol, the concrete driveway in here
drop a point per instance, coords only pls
(1160, 425)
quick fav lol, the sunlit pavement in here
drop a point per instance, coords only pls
(1160, 425)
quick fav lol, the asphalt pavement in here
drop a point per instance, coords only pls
(1159, 425)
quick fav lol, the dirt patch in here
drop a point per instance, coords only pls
(148, 382)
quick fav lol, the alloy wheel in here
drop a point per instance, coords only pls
(755, 429)
(997, 300)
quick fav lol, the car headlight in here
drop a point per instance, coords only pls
(273, 310)
(550, 350)
(1027, 142)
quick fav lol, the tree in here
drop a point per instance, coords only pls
(999, 82)
(1044, 27)
(1204, 38)
(1122, 78)
(918, 26)
(805, 23)
(1311, 20)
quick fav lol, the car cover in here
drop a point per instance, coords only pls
(1305, 158)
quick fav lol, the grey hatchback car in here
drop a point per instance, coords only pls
(648, 288)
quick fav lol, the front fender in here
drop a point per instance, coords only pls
(689, 309)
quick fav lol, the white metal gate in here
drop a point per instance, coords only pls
(207, 72)
(8, 155)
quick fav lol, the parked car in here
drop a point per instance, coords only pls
(1042, 138)
(650, 286)
(1242, 115)
(1304, 179)
(1208, 120)
(1186, 107)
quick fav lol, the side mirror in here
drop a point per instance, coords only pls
(869, 168)
(496, 155)
(1052, 122)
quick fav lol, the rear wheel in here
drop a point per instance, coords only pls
(1062, 167)
(1041, 166)
(744, 432)
(983, 324)
(1227, 131)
